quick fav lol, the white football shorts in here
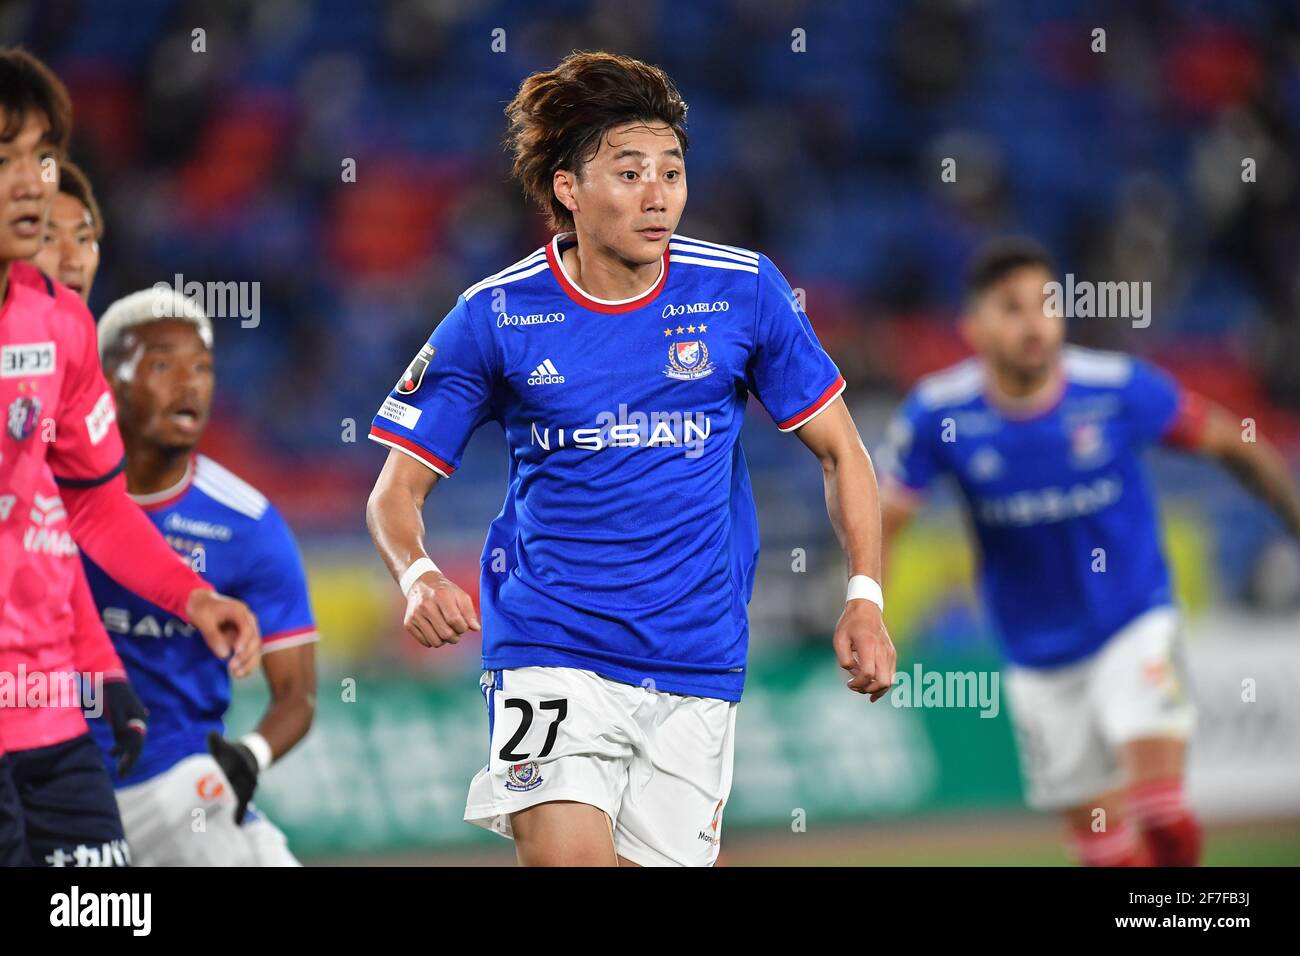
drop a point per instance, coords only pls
(1071, 720)
(658, 764)
(186, 817)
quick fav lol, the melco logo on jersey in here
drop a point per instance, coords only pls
(694, 307)
(537, 318)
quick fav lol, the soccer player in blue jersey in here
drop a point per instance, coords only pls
(617, 360)
(1044, 441)
(156, 347)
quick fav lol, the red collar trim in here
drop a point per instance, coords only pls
(607, 306)
(168, 496)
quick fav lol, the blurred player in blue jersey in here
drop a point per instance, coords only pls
(156, 347)
(618, 360)
(1044, 441)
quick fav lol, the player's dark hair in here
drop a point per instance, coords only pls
(559, 118)
(997, 259)
(28, 86)
(73, 182)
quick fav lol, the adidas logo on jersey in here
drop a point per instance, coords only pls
(546, 374)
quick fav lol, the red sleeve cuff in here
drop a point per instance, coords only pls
(1187, 430)
(816, 408)
(418, 452)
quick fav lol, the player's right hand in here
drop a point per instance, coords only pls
(864, 649)
(438, 612)
(229, 628)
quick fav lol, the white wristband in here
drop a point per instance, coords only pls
(260, 748)
(419, 567)
(864, 588)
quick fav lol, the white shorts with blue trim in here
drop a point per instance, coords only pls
(658, 764)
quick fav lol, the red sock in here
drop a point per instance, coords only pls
(1169, 829)
(1117, 846)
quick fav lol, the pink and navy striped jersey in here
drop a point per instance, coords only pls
(628, 538)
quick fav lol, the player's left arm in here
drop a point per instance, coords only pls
(862, 643)
(1252, 459)
(291, 677)
(277, 593)
(800, 387)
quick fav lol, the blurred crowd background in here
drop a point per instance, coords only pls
(1126, 161)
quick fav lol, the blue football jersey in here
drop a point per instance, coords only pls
(628, 539)
(1062, 508)
(228, 532)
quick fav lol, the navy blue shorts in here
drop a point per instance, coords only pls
(13, 843)
(69, 812)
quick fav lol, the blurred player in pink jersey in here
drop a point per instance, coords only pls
(60, 419)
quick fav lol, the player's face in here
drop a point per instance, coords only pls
(69, 250)
(164, 385)
(1010, 325)
(630, 196)
(24, 193)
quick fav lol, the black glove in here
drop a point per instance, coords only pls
(127, 716)
(240, 767)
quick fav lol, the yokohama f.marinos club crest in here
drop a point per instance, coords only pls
(688, 360)
(414, 374)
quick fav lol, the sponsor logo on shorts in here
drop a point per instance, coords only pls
(710, 835)
(210, 786)
(523, 776)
